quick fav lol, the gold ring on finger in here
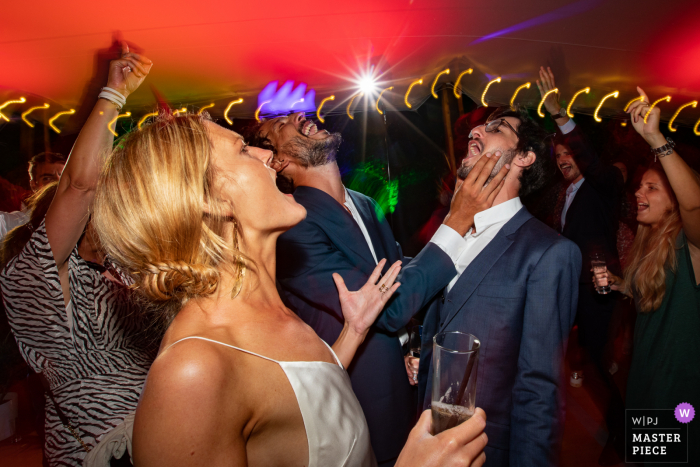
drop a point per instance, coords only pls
(383, 288)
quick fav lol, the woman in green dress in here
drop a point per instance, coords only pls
(662, 277)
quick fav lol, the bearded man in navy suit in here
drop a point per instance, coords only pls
(516, 291)
(346, 232)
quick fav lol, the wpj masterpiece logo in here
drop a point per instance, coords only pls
(658, 435)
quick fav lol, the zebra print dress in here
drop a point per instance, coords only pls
(94, 353)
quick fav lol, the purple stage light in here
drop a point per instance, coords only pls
(287, 98)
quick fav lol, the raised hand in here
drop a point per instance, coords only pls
(649, 130)
(128, 72)
(460, 446)
(546, 84)
(361, 308)
(473, 195)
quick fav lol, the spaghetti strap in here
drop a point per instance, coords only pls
(334, 355)
(224, 344)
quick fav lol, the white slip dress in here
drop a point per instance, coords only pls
(335, 425)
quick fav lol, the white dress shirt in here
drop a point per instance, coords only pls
(570, 193)
(487, 224)
(10, 220)
(356, 215)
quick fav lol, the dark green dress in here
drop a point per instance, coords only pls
(665, 367)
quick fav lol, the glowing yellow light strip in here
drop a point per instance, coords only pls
(25, 114)
(623, 124)
(458, 94)
(539, 107)
(146, 117)
(515, 94)
(640, 98)
(53, 119)
(205, 108)
(667, 99)
(179, 111)
(21, 100)
(318, 111)
(297, 102)
(695, 128)
(350, 104)
(595, 114)
(114, 121)
(571, 104)
(231, 104)
(376, 105)
(432, 89)
(405, 98)
(670, 122)
(483, 94)
(257, 112)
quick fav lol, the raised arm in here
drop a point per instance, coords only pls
(684, 182)
(68, 214)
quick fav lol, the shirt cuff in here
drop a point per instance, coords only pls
(449, 241)
(568, 127)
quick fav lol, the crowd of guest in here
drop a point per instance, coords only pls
(179, 309)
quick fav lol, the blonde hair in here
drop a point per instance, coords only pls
(155, 214)
(653, 250)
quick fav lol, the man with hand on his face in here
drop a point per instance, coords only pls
(346, 232)
(515, 290)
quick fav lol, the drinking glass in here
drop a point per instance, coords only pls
(455, 358)
(600, 272)
(414, 345)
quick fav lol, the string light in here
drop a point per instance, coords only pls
(179, 111)
(25, 114)
(405, 98)
(318, 111)
(695, 128)
(483, 94)
(623, 124)
(546, 94)
(146, 117)
(297, 102)
(361, 93)
(638, 98)
(21, 100)
(670, 122)
(595, 114)
(231, 104)
(205, 108)
(114, 121)
(667, 99)
(257, 112)
(571, 104)
(59, 114)
(458, 95)
(432, 89)
(376, 105)
(523, 86)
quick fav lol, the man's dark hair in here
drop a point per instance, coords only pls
(531, 137)
(42, 158)
(252, 135)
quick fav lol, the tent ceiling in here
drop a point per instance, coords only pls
(209, 50)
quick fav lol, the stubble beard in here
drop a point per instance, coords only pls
(506, 158)
(313, 153)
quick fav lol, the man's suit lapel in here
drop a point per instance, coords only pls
(374, 229)
(574, 204)
(482, 264)
(338, 223)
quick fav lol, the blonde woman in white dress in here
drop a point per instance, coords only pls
(194, 215)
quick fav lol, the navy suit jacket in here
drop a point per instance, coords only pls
(518, 297)
(329, 240)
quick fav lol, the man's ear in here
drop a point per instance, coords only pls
(525, 160)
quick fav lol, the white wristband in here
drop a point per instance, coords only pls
(113, 96)
(118, 94)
